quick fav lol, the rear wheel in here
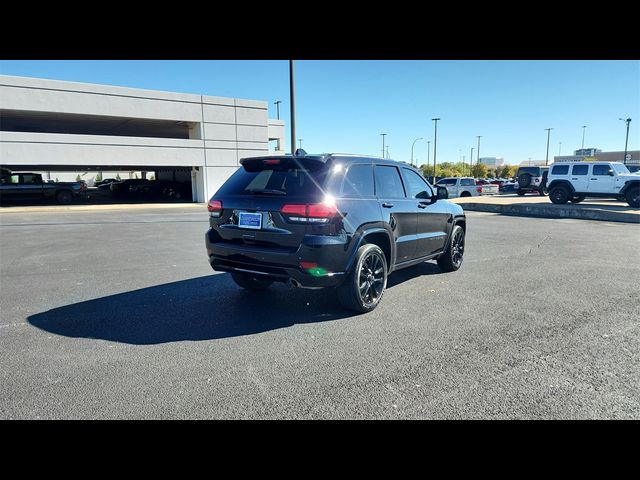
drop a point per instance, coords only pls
(465, 194)
(255, 283)
(559, 195)
(633, 197)
(364, 286)
(577, 199)
(451, 259)
(64, 197)
(520, 192)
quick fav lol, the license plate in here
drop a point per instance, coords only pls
(250, 220)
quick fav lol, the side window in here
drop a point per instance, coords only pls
(388, 182)
(358, 182)
(580, 169)
(416, 186)
(29, 179)
(466, 182)
(601, 169)
(560, 170)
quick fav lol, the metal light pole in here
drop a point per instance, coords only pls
(428, 151)
(583, 130)
(478, 152)
(435, 142)
(414, 142)
(277, 104)
(546, 161)
(300, 140)
(559, 148)
(387, 151)
(626, 142)
(383, 135)
(471, 162)
(293, 108)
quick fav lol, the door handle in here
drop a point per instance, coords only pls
(594, 179)
(387, 205)
(422, 205)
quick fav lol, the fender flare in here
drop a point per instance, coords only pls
(557, 183)
(629, 184)
(361, 237)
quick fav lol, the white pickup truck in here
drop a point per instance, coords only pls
(466, 187)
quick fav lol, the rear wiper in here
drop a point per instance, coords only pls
(267, 191)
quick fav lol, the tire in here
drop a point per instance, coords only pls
(577, 199)
(520, 192)
(465, 194)
(451, 258)
(543, 191)
(364, 286)
(559, 195)
(64, 197)
(524, 180)
(633, 197)
(253, 283)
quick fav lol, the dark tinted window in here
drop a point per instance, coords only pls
(358, 182)
(467, 182)
(28, 178)
(388, 182)
(580, 169)
(601, 169)
(560, 170)
(292, 181)
(535, 171)
(416, 186)
(447, 181)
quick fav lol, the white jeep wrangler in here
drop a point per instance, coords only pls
(573, 181)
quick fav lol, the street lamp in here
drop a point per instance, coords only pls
(583, 130)
(383, 135)
(626, 142)
(414, 142)
(478, 153)
(300, 140)
(277, 104)
(428, 151)
(292, 95)
(546, 161)
(435, 144)
(387, 151)
(470, 161)
(559, 148)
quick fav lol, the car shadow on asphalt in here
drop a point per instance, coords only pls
(203, 308)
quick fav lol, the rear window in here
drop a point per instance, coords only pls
(560, 170)
(601, 169)
(289, 181)
(466, 182)
(536, 171)
(447, 181)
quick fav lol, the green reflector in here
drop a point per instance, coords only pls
(317, 271)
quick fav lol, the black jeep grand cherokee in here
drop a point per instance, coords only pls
(330, 220)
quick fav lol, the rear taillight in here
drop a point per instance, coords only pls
(479, 189)
(214, 207)
(309, 212)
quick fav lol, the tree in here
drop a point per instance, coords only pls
(479, 170)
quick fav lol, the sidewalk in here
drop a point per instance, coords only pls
(537, 206)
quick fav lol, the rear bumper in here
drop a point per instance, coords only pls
(330, 254)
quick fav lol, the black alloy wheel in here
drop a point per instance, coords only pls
(451, 258)
(364, 286)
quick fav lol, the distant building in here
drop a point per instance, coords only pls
(596, 155)
(492, 162)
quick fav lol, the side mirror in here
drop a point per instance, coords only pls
(443, 193)
(610, 173)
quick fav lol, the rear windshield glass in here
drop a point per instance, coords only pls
(292, 182)
(533, 170)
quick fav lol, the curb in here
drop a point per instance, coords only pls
(92, 208)
(554, 211)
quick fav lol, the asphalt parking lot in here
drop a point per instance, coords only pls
(117, 314)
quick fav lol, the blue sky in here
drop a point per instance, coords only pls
(343, 106)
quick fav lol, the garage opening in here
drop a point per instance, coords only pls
(96, 185)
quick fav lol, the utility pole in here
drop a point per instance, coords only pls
(293, 108)
(626, 142)
(277, 104)
(546, 161)
(478, 152)
(383, 135)
(435, 145)
(471, 162)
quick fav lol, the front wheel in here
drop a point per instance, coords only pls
(364, 286)
(253, 283)
(451, 259)
(559, 195)
(633, 197)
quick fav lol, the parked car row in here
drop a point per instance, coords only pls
(147, 188)
(467, 186)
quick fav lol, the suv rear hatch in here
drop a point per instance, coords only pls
(273, 202)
